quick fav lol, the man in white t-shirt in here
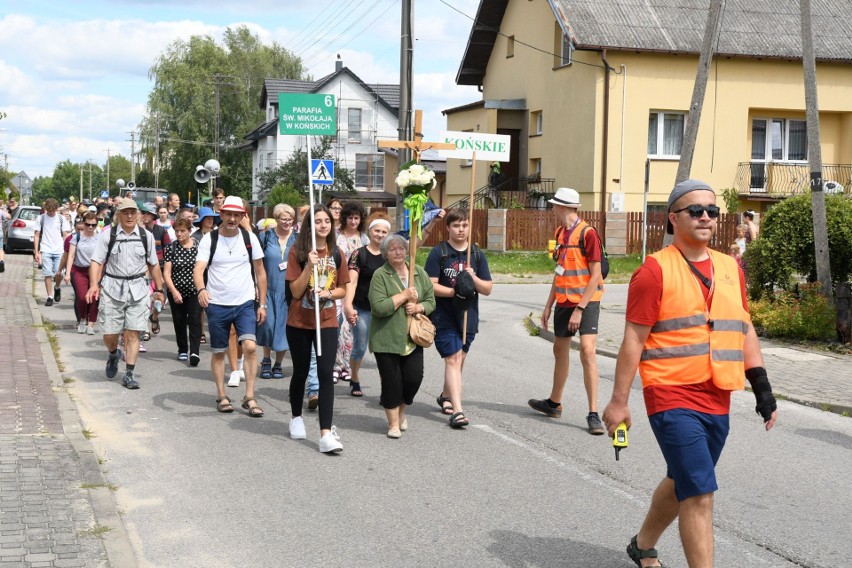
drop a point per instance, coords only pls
(227, 293)
(48, 243)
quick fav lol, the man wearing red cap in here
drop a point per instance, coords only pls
(229, 276)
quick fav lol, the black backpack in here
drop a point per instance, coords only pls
(140, 232)
(476, 256)
(214, 242)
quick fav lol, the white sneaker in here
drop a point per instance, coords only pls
(240, 363)
(297, 428)
(242, 374)
(90, 330)
(81, 327)
(330, 443)
(234, 379)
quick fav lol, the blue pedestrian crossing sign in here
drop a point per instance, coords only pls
(105, 194)
(322, 172)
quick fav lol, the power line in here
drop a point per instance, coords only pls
(355, 36)
(299, 36)
(319, 51)
(328, 28)
(517, 41)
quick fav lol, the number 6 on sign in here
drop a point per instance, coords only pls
(329, 101)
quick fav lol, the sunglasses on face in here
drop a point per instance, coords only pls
(697, 211)
(91, 224)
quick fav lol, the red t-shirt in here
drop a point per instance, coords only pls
(643, 307)
(592, 246)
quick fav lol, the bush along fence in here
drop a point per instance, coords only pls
(501, 230)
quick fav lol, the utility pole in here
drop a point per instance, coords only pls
(133, 156)
(693, 120)
(823, 258)
(89, 161)
(107, 170)
(157, 156)
(81, 183)
(406, 58)
(216, 134)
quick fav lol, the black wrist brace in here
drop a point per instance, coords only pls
(762, 392)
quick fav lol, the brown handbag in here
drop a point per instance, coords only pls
(421, 330)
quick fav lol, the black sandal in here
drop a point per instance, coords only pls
(445, 404)
(636, 554)
(458, 420)
(355, 388)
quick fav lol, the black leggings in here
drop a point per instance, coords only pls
(187, 315)
(301, 341)
(401, 376)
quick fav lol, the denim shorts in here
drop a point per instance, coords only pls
(219, 321)
(448, 341)
(50, 264)
(691, 443)
(360, 334)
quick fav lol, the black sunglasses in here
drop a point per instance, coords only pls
(696, 211)
(91, 224)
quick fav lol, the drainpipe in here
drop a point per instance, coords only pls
(605, 140)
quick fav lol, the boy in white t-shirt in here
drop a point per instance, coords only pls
(48, 242)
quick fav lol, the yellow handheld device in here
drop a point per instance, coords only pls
(619, 441)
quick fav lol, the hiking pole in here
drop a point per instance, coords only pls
(469, 233)
(315, 291)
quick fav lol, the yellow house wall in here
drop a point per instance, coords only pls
(571, 98)
(459, 171)
(738, 90)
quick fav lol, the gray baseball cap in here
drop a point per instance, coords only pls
(679, 191)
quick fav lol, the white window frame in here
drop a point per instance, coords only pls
(354, 136)
(661, 120)
(566, 55)
(537, 122)
(376, 162)
(785, 141)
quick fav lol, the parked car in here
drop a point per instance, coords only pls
(19, 230)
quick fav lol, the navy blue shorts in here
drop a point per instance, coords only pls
(220, 319)
(448, 341)
(691, 443)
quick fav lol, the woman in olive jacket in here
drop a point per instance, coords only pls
(399, 360)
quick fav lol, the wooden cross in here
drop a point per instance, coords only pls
(417, 146)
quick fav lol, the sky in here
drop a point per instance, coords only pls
(74, 73)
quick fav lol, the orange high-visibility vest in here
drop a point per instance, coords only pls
(571, 284)
(684, 347)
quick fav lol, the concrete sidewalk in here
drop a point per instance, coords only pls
(56, 509)
(815, 378)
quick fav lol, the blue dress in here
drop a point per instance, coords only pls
(273, 332)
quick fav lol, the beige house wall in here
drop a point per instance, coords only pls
(571, 99)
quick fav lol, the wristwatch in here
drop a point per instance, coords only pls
(262, 306)
(581, 308)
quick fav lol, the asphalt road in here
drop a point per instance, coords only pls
(198, 488)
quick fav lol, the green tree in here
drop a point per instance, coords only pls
(182, 105)
(282, 193)
(785, 248)
(294, 172)
(119, 168)
(42, 189)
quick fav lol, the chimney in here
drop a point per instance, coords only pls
(338, 65)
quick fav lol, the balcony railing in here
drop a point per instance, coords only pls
(512, 193)
(777, 180)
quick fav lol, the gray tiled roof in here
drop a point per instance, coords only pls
(750, 28)
(753, 28)
(388, 93)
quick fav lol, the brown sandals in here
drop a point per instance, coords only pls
(224, 405)
(253, 411)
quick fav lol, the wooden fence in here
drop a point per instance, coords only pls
(530, 229)
(726, 231)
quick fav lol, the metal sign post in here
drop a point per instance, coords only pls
(309, 115)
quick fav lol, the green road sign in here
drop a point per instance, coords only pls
(300, 113)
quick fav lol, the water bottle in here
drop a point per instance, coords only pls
(158, 305)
